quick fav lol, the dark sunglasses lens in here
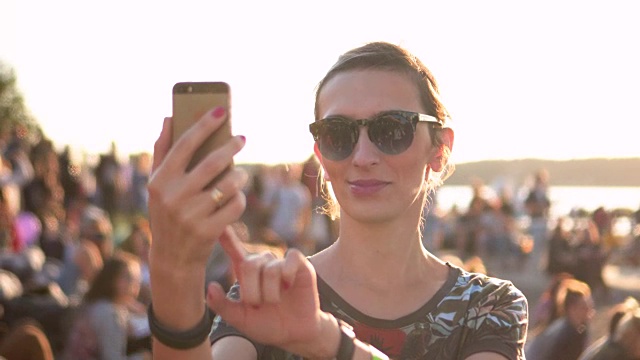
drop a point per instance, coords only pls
(392, 134)
(336, 138)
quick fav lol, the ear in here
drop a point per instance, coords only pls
(440, 157)
(316, 150)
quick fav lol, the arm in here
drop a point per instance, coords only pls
(279, 301)
(185, 223)
(278, 306)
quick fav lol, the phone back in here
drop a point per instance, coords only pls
(191, 100)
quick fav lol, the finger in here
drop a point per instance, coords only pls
(272, 281)
(295, 261)
(226, 188)
(162, 144)
(232, 246)
(215, 163)
(250, 276)
(186, 146)
(229, 213)
(232, 312)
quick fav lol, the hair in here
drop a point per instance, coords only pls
(626, 330)
(571, 291)
(104, 286)
(390, 57)
(96, 226)
(88, 259)
(626, 310)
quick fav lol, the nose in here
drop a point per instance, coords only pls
(365, 152)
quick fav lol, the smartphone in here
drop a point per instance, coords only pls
(191, 100)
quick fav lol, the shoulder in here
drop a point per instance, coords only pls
(490, 302)
(481, 288)
(496, 314)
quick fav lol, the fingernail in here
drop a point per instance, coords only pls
(286, 285)
(243, 138)
(218, 112)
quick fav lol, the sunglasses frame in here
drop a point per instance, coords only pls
(412, 117)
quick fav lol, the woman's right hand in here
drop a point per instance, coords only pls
(185, 220)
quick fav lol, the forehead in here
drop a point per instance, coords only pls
(363, 93)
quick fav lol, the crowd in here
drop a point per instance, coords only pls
(74, 243)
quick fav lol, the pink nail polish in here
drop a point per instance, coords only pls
(243, 138)
(218, 112)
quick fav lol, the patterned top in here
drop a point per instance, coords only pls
(470, 313)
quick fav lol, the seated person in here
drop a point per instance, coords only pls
(566, 337)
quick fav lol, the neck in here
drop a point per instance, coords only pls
(378, 254)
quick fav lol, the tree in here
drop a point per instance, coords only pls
(14, 115)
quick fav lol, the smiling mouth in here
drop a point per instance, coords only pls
(367, 187)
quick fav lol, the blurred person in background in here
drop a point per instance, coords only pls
(623, 340)
(44, 194)
(138, 196)
(548, 307)
(109, 183)
(40, 299)
(103, 328)
(138, 243)
(95, 227)
(290, 208)
(88, 261)
(537, 205)
(568, 336)
(591, 258)
(560, 255)
(25, 341)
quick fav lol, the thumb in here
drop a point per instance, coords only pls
(231, 311)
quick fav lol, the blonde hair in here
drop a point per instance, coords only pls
(570, 291)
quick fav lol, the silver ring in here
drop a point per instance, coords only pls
(216, 196)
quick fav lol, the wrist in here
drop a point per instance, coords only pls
(175, 274)
(325, 343)
(177, 295)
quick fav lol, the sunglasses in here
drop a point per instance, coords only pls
(391, 131)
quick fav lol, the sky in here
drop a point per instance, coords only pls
(545, 79)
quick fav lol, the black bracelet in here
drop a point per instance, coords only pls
(347, 346)
(182, 340)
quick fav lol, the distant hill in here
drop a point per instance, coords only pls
(583, 172)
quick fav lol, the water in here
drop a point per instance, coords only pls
(563, 198)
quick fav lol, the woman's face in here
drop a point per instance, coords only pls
(128, 282)
(371, 186)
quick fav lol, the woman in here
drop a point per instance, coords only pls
(103, 327)
(138, 243)
(402, 301)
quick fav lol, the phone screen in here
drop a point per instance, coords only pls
(191, 100)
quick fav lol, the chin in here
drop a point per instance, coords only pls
(370, 215)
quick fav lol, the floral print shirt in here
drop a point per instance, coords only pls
(470, 313)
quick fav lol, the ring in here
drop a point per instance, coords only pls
(216, 196)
